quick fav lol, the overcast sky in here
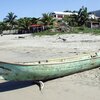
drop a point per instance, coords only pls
(35, 8)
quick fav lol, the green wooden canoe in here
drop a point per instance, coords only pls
(49, 69)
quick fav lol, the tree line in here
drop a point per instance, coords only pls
(10, 22)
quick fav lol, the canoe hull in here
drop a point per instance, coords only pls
(20, 72)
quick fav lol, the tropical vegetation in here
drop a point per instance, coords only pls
(73, 23)
(10, 20)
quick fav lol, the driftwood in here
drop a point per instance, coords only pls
(21, 37)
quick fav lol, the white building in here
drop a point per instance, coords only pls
(60, 15)
(93, 16)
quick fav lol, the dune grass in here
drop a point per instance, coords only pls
(75, 30)
(86, 30)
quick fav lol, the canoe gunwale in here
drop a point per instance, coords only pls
(47, 63)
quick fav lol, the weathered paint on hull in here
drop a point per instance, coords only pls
(47, 71)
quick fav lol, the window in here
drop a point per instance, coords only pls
(60, 16)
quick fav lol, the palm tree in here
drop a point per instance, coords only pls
(71, 20)
(3, 26)
(47, 19)
(34, 20)
(82, 16)
(10, 20)
(24, 23)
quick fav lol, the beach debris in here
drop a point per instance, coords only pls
(21, 37)
(73, 52)
(1, 34)
(63, 39)
(94, 55)
(46, 60)
(98, 49)
(27, 52)
(39, 62)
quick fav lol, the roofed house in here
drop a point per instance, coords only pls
(60, 15)
(37, 28)
(93, 24)
(93, 16)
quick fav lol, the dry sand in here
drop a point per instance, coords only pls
(82, 86)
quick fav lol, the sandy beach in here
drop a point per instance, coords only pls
(28, 48)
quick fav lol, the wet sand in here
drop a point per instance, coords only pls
(27, 48)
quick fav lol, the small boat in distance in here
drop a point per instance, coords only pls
(49, 69)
